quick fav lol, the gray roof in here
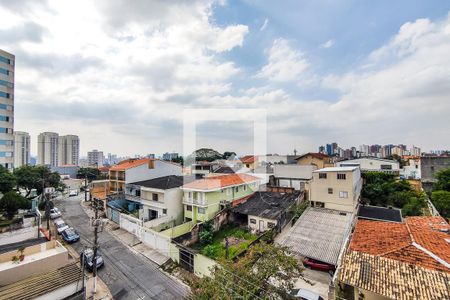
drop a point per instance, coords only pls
(319, 234)
(165, 182)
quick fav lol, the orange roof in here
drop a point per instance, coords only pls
(248, 159)
(130, 163)
(103, 169)
(423, 241)
(317, 155)
(217, 182)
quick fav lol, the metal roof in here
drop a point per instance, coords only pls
(319, 234)
(336, 169)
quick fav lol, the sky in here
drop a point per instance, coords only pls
(120, 74)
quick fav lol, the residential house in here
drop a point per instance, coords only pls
(295, 176)
(412, 168)
(390, 260)
(319, 160)
(336, 188)
(134, 170)
(159, 197)
(266, 210)
(372, 164)
(204, 198)
(429, 166)
(250, 161)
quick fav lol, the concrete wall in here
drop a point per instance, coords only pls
(161, 169)
(260, 224)
(431, 165)
(38, 259)
(203, 265)
(370, 164)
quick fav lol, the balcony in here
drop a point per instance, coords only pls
(192, 201)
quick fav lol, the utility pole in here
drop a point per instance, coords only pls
(85, 186)
(96, 223)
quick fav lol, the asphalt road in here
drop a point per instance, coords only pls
(128, 275)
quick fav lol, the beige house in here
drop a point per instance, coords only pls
(336, 188)
(318, 160)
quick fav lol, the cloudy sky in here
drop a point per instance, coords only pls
(119, 73)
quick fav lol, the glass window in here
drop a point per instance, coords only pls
(341, 176)
(6, 142)
(323, 175)
(155, 197)
(164, 211)
(5, 154)
(4, 95)
(189, 207)
(4, 118)
(252, 221)
(201, 210)
(5, 60)
(6, 83)
(330, 191)
(4, 71)
(236, 189)
(343, 194)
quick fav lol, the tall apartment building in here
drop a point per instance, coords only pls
(69, 150)
(95, 158)
(7, 62)
(48, 149)
(21, 148)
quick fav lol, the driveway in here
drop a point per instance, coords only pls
(128, 275)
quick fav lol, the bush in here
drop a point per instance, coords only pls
(206, 234)
(11, 202)
(413, 207)
(441, 200)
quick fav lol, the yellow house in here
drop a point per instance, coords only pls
(319, 160)
(336, 188)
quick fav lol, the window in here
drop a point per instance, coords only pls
(252, 221)
(4, 119)
(6, 83)
(3, 106)
(343, 194)
(155, 197)
(6, 143)
(5, 154)
(4, 95)
(270, 224)
(386, 167)
(6, 130)
(245, 188)
(236, 189)
(322, 175)
(4, 71)
(189, 207)
(164, 211)
(229, 191)
(5, 60)
(190, 195)
(201, 210)
(341, 176)
(330, 191)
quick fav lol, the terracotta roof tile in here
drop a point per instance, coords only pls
(129, 163)
(248, 159)
(421, 241)
(217, 182)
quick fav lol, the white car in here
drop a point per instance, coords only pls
(55, 213)
(305, 294)
(73, 193)
(61, 225)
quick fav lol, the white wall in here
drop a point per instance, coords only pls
(19, 235)
(370, 164)
(260, 225)
(161, 169)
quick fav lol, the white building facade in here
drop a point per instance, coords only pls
(21, 148)
(372, 164)
(7, 63)
(95, 158)
(69, 150)
(48, 149)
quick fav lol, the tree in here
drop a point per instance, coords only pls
(7, 180)
(267, 271)
(443, 180)
(228, 154)
(90, 173)
(178, 160)
(206, 234)
(11, 202)
(413, 207)
(36, 177)
(441, 200)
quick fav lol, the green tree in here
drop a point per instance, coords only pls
(7, 180)
(228, 154)
(441, 200)
(11, 202)
(206, 234)
(413, 207)
(90, 173)
(443, 180)
(36, 177)
(250, 277)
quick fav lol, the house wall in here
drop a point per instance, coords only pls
(261, 224)
(311, 160)
(170, 200)
(352, 185)
(142, 172)
(203, 265)
(368, 164)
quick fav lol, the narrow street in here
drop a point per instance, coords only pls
(128, 275)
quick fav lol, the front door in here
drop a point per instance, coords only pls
(261, 225)
(152, 214)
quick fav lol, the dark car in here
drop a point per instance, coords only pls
(318, 265)
(70, 235)
(87, 256)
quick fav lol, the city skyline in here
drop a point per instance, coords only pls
(76, 72)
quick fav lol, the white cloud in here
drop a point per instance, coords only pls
(284, 63)
(264, 25)
(327, 44)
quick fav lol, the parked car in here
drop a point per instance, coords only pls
(73, 193)
(305, 294)
(87, 256)
(70, 235)
(318, 265)
(55, 213)
(61, 225)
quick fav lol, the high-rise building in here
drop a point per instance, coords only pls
(169, 156)
(7, 62)
(69, 150)
(21, 148)
(48, 146)
(95, 158)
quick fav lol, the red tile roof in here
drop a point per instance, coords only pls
(248, 159)
(421, 240)
(217, 182)
(313, 154)
(130, 163)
